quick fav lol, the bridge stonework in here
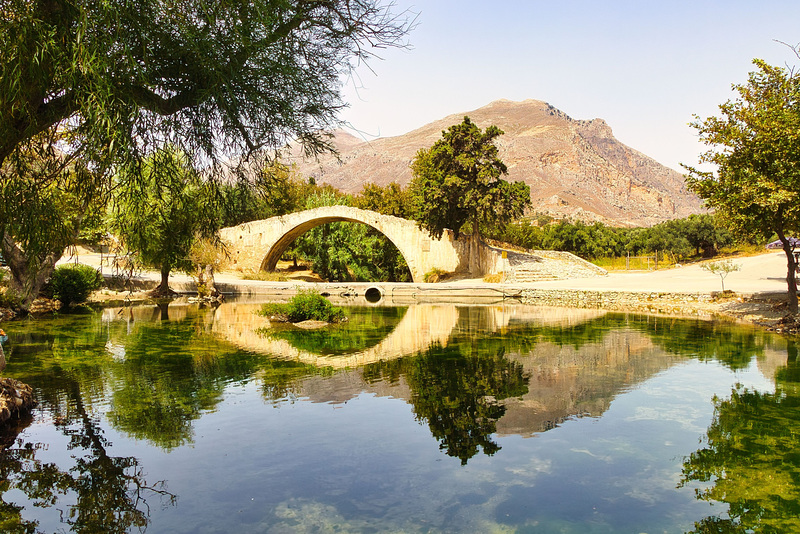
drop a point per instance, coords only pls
(258, 245)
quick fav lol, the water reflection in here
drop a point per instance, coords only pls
(470, 376)
(99, 493)
(751, 458)
(374, 334)
(458, 395)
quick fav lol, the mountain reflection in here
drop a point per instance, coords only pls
(751, 435)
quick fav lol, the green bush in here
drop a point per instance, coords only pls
(305, 305)
(73, 283)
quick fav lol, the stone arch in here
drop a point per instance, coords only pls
(258, 245)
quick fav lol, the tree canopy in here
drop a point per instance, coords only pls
(755, 145)
(215, 76)
(43, 203)
(108, 82)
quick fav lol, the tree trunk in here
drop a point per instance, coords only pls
(26, 284)
(475, 250)
(201, 282)
(206, 286)
(211, 285)
(163, 289)
(791, 276)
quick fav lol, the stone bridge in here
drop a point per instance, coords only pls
(258, 245)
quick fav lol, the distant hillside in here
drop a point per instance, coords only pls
(575, 168)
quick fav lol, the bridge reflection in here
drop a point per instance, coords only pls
(541, 366)
(422, 326)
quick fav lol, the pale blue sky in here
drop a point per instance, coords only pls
(645, 67)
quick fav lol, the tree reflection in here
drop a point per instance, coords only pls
(161, 389)
(457, 394)
(751, 458)
(110, 493)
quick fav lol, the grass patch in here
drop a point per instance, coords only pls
(265, 276)
(493, 278)
(634, 263)
(306, 305)
(724, 296)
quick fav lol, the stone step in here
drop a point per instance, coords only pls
(531, 276)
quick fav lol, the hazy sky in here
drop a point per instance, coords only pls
(646, 67)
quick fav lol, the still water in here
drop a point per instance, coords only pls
(426, 418)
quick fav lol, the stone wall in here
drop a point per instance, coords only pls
(654, 302)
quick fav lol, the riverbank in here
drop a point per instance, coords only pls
(757, 292)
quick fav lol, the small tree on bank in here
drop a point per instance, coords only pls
(457, 181)
(160, 208)
(721, 269)
(756, 148)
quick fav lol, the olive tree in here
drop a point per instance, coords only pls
(755, 147)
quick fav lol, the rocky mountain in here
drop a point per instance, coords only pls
(575, 168)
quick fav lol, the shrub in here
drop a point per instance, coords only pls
(73, 283)
(306, 305)
(434, 275)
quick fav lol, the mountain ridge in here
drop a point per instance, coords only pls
(575, 168)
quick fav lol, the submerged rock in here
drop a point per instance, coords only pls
(310, 324)
(6, 314)
(16, 399)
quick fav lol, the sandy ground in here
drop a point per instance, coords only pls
(765, 273)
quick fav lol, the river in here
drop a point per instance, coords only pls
(419, 418)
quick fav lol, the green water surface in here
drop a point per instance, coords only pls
(425, 418)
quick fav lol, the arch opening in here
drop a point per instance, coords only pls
(343, 249)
